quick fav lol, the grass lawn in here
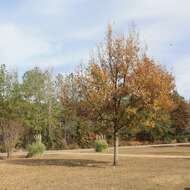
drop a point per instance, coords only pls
(89, 172)
(157, 150)
(165, 150)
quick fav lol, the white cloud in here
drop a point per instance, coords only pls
(60, 59)
(83, 33)
(163, 26)
(181, 70)
(17, 46)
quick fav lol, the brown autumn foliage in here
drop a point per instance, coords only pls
(119, 81)
(155, 85)
(181, 115)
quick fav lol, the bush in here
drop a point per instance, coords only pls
(36, 148)
(182, 138)
(101, 145)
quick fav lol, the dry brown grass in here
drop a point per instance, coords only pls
(165, 150)
(183, 150)
(70, 172)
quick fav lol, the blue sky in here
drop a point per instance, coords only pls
(60, 33)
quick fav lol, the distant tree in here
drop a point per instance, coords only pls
(33, 88)
(53, 106)
(10, 130)
(10, 112)
(41, 106)
(181, 117)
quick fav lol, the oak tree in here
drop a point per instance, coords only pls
(118, 82)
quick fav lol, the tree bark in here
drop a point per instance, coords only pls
(116, 144)
(8, 153)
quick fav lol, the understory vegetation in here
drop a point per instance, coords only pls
(100, 145)
(35, 149)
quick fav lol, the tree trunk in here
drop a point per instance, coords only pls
(116, 144)
(8, 153)
(50, 121)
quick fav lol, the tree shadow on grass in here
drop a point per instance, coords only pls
(59, 162)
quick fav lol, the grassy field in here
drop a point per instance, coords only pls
(157, 150)
(94, 172)
(166, 150)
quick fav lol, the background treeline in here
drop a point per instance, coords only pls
(31, 106)
(52, 106)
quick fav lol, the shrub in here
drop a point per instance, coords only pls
(36, 148)
(100, 145)
(182, 139)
